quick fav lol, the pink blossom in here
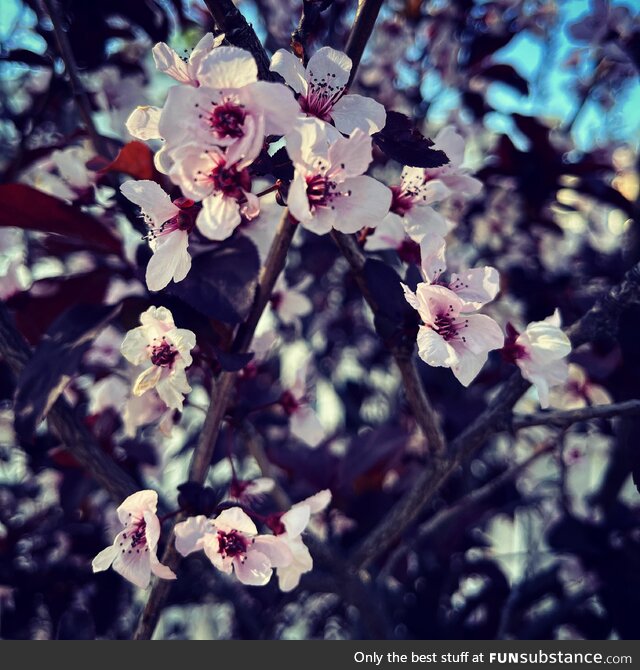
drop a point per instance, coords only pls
(165, 351)
(303, 421)
(540, 353)
(290, 303)
(450, 336)
(289, 528)
(133, 553)
(231, 542)
(321, 90)
(185, 70)
(169, 226)
(328, 190)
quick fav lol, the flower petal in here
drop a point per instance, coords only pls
(155, 204)
(228, 67)
(235, 518)
(255, 570)
(290, 69)
(355, 111)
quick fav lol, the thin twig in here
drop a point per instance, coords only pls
(566, 418)
(79, 93)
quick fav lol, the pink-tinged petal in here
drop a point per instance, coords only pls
(160, 570)
(211, 546)
(134, 346)
(152, 530)
(219, 217)
(163, 160)
(543, 377)
(449, 141)
(290, 69)
(235, 519)
(423, 220)
(134, 507)
(292, 306)
(434, 350)
(432, 254)
(545, 342)
(143, 123)
(365, 205)
(468, 366)
(410, 296)
(554, 319)
(170, 261)
(462, 184)
(350, 157)
(190, 534)
(190, 167)
(168, 61)
(274, 549)
(104, 559)
(228, 67)
(204, 47)
(296, 519)
(434, 301)
(155, 204)
(482, 334)
(330, 67)
(389, 234)
(255, 570)
(317, 502)
(306, 426)
(476, 287)
(353, 112)
(180, 121)
(308, 143)
(277, 104)
(172, 387)
(297, 200)
(244, 150)
(134, 567)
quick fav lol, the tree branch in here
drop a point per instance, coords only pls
(218, 405)
(79, 93)
(566, 418)
(601, 319)
(365, 20)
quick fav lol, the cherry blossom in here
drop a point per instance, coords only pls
(321, 90)
(143, 122)
(230, 109)
(474, 288)
(453, 175)
(578, 391)
(222, 186)
(185, 70)
(290, 303)
(164, 350)
(231, 542)
(450, 336)
(328, 190)
(169, 226)
(133, 552)
(289, 528)
(540, 353)
(303, 421)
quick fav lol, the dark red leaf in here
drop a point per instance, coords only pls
(135, 159)
(22, 206)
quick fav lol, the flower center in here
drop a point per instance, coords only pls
(322, 191)
(446, 327)
(163, 354)
(512, 351)
(321, 97)
(231, 544)
(227, 120)
(401, 201)
(231, 182)
(409, 251)
(135, 540)
(185, 219)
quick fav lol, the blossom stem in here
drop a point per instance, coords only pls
(271, 189)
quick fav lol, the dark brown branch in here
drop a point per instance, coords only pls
(239, 33)
(309, 18)
(366, 17)
(566, 418)
(218, 405)
(64, 424)
(79, 93)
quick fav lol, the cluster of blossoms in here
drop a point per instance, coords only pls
(230, 541)
(215, 124)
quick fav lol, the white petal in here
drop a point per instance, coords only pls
(434, 350)
(389, 234)
(152, 200)
(366, 206)
(235, 519)
(449, 141)
(330, 67)
(255, 570)
(356, 111)
(277, 104)
(306, 426)
(168, 61)
(350, 157)
(290, 69)
(190, 534)
(296, 519)
(134, 567)
(152, 530)
(219, 217)
(297, 200)
(147, 380)
(410, 296)
(137, 504)
(143, 123)
(274, 549)
(228, 67)
(432, 254)
(170, 260)
(468, 366)
(160, 570)
(482, 333)
(104, 559)
(318, 502)
(476, 287)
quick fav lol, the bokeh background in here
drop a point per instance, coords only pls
(547, 96)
